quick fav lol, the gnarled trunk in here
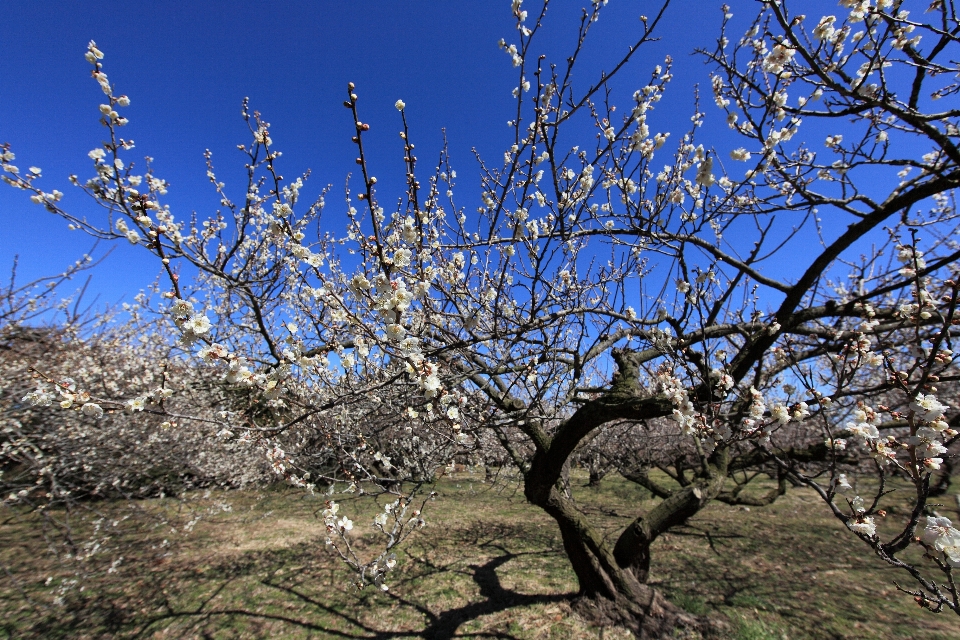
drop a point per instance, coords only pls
(613, 589)
(613, 581)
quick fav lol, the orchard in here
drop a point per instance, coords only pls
(768, 295)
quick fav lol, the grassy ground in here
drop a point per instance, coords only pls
(486, 566)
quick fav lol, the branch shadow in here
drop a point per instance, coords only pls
(444, 625)
(294, 574)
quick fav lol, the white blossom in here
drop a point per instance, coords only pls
(92, 409)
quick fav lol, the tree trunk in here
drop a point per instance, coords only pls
(597, 472)
(615, 593)
(612, 581)
(596, 477)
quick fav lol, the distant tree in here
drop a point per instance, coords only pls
(784, 305)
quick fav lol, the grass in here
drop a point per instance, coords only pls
(486, 566)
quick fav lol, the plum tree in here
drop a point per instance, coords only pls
(784, 305)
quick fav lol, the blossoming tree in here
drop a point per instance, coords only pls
(784, 304)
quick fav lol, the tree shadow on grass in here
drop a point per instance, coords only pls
(294, 574)
(444, 624)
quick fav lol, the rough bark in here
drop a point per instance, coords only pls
(613, 580)
(613, 589)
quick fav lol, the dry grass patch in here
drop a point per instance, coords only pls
(486, 566)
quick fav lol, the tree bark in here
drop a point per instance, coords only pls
(612, 592)
(613, 581)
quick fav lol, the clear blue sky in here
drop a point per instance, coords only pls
(187, 65)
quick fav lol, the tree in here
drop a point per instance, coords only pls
(793, 319)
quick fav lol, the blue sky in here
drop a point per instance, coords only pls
(187, 65)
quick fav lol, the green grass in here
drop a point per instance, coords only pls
(486, 566)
